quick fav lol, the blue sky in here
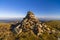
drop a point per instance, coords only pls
(19, 8)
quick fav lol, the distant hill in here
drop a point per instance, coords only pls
(48, 19)
(7, 20)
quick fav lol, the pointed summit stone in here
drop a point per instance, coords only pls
(30, 15)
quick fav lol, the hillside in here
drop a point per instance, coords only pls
(30, 28)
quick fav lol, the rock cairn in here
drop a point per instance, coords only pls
(30, 22)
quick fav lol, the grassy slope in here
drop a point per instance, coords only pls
(54, 24)
(5, 32)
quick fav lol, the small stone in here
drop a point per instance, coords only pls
(48, 29)
(53, 31)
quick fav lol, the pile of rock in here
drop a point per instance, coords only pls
(30, 22)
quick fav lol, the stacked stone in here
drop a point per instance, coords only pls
(30, 22)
